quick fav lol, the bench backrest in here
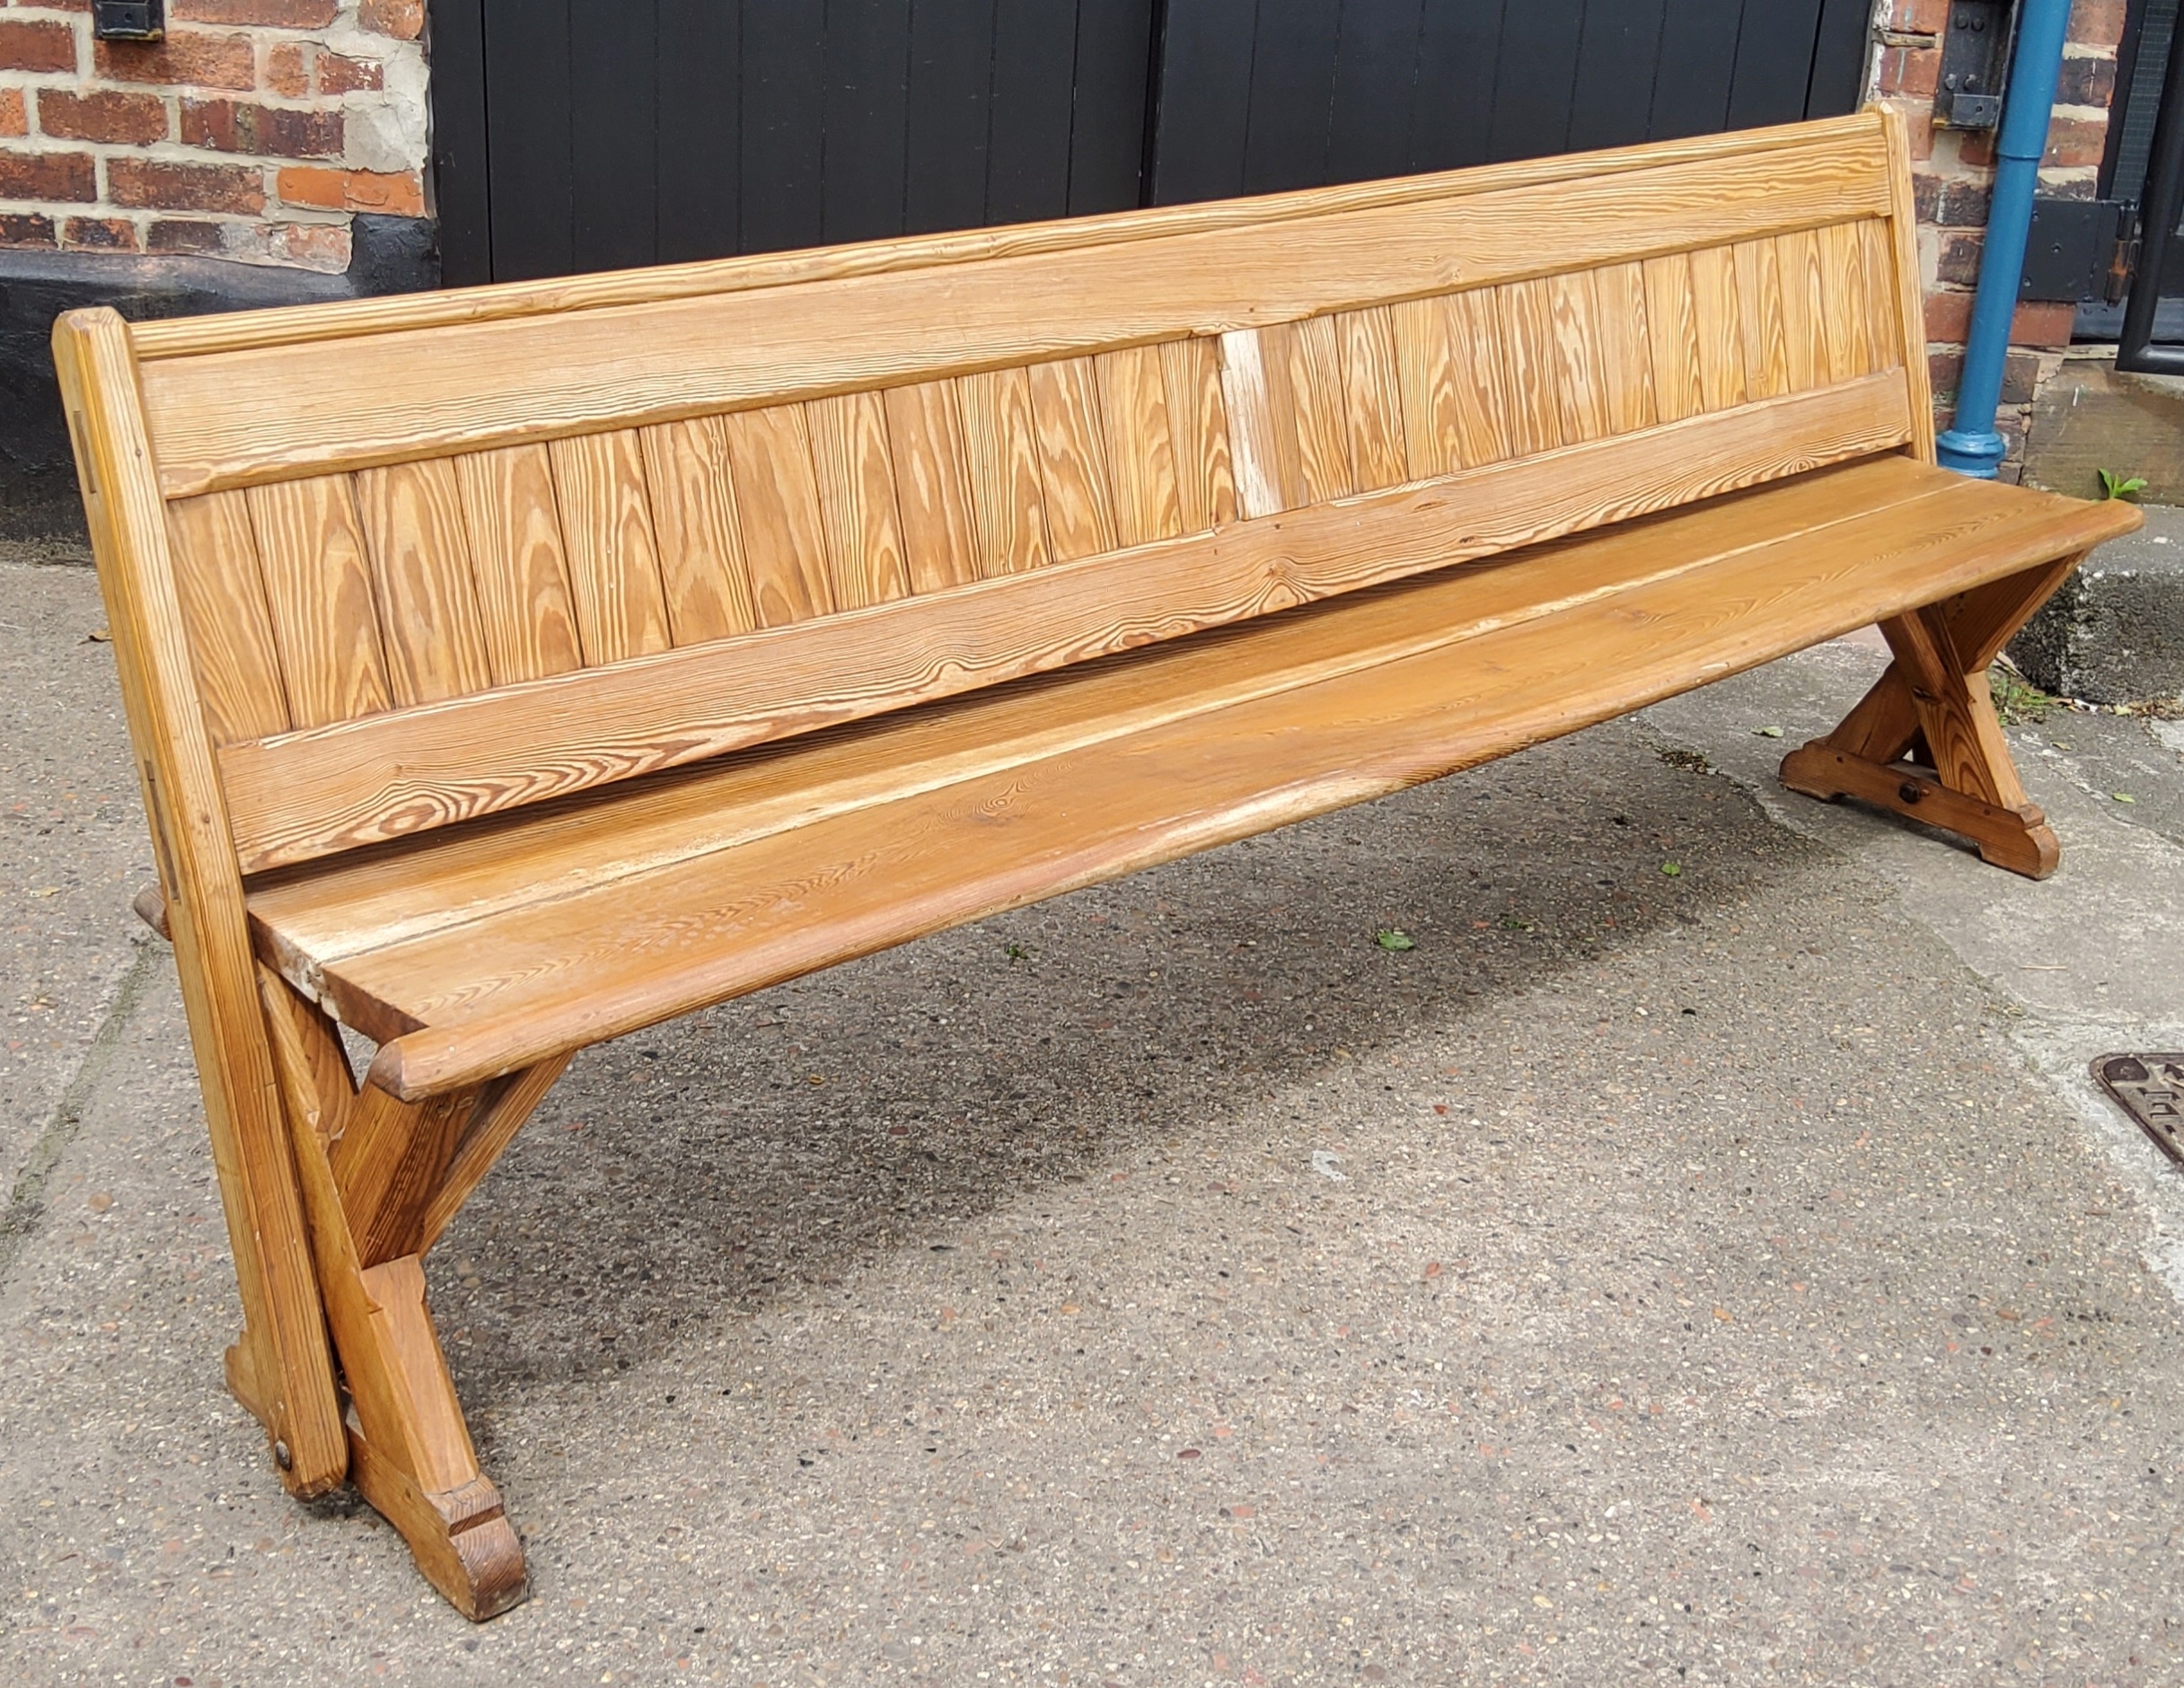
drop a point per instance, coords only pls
(442, 556)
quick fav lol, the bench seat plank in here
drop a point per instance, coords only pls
(472, 952)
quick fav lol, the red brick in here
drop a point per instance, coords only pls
(186, 56)
(353, 191)
(128, 118)
(1919, 17)
(285, 14)
(237, 125)
(1910, 70)
(340, 74)
(404, 20)
(2097, 22)
(2087, 81)
(317, 245)
(152, 185)
(183, 235)
(1949, 315)
(14, 118)
(36, 44)
(287, 73)
(1960, 258)
(68, 178)
(17, 229)
(1919, 134)
(2070, 141)
(104, 234)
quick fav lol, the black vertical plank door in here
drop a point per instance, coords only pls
(1774, 50)
(1459, 43)
(1107, 119)
(1028, 146)
(612, 143)
(1534, 78)
(1837, 82)
(951, 88)
(699, 162)
(526, 105)
(1292, 95)
(1611, 102)
(867, 82)
(1375, 76)
(1205, 101)
(783, 149)
(462, 188)
(1698, 58)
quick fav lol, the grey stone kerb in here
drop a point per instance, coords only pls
(2115, 633)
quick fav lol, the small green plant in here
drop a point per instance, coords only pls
(1675, 870)
(2116, 486)
(2017, 700)
(1018, 953)
(1388, 938)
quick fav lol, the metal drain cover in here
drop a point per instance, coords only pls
(2150, 1088)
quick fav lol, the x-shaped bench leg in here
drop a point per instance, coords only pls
(381, 1180)
(1933, 707)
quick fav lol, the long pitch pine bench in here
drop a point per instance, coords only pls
(513, 669)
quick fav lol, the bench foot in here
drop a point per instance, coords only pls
(381, 1180)
(1925, 743)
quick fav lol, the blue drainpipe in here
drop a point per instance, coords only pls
(1972, 446)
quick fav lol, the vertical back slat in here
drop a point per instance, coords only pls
(1880, 292)
(1850, 342)
(1072, 458)
(613, 561)
(1373, 398)
(419, 546)
(518, 563)
(864, 533)
(1797, 264)
(702, 575)
(1486, 432)
(1627, 363)
(1205, 481)
(1323, 423)
(1261, 419)
(1672, 330)
(319, 600)
(1140, 449)
(1001, 445)
(1426, 369)
(1721, 339)
(225, 618)
(1580, 393)
(933, 492)
(1759, 311)
(777, 513)
(1527, 363)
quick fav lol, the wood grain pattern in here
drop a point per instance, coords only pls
(1198, 424)
(310, 552)
(1001, 451)
(1874, 248)
(777, 512)
(1761, 330)
(1850, 338)
(1718, 317)
(614, 562)
(1426, 360)
(1140, 446)
(1372, 396)
(1672, 330)
(1072, 458)
(866, 556)
(932, 489)
(278, 409)
(1580, 388)
(1261, 419)
(429, 628)
(476, 756)
(1318, 392)
(1486, 429)
(518, 565)
(223, 600)
(1804, 309)
(1528, 363)
(1907, 302)
(703, 579)
(1626, 349)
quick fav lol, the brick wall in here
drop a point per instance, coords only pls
(1952, 170)
(255, 131)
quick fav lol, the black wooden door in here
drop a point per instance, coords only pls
(577, 134)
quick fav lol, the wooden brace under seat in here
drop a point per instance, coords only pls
(1925, 742)
(381, 1180)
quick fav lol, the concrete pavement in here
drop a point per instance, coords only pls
(1724, 1275)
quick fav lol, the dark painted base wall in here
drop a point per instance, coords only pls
(37, 490)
